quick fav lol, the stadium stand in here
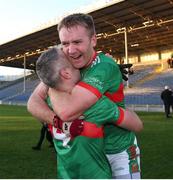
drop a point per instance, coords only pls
(146, 85)
(147, 92)
(148, 26)
(15, 93)
(143, 71)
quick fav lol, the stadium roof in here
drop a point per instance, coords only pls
(149, 25)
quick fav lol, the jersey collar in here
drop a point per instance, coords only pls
(92, 59)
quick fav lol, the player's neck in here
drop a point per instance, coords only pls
(66, 87)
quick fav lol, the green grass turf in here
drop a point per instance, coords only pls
(156, 143)
(19, 132)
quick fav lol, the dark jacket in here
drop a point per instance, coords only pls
(166, 96)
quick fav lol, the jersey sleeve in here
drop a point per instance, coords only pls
(47, 100)
(104, 111)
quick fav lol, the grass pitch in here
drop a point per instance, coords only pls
(19, 131)
(156, 144)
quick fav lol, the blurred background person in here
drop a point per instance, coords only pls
(44, 131)
(166, 98)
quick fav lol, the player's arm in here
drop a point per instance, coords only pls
(69, 106)
(37, 106)
(116, 115)
(129, 120)
(85, 94)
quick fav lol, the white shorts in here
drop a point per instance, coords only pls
(126, 165)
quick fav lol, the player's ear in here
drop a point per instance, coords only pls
(65, 73)
(94, 40)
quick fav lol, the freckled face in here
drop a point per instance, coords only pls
(77, 45)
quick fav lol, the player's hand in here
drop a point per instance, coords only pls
(74, 128)
(123, 70)
(57, 122)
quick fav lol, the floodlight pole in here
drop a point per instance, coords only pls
(126, 52)
(24, 73)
